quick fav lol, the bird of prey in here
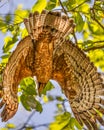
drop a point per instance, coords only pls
(47, 53)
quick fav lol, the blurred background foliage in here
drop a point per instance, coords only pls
(88, 35)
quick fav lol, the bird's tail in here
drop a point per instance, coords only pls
(53, 23)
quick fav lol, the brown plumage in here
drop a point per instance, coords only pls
(47, 54)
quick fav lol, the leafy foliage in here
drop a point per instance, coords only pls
(64, 122)
(28, 97)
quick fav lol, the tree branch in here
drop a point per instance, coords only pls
(62, 7)
(99, 41)
(63, 104)
(7, 26)
(94, 16)
(35, 126)
(94, 48)
(24, 125)
(40, 125)
(3, 4)
(75, 38)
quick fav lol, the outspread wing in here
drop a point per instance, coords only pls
(81, 83)
(18, 67)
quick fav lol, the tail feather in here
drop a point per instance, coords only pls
(39, 23)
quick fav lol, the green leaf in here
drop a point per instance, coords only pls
(27, 98)
(8, 44)
(64, 122)
(97, 56)
(61, 121)
(24, 99)
(39, 106)
(5, 58)
(95, 28)
(60, 107)
(39, 5)
(28, 86)
(24, 33)
(34, 104)
(4, 129)
(8, 18)
(10, 126)
(79, 22)
(74, 122)
(70, 4)
(11, 28)
(52, 4)
(59, 98)
(31, 101)
(29, 128)
(3, 25)
(20, 14)
(85, 8)
(48, 87)
(50, 98)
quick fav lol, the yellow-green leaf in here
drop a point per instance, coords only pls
(61, 121)
(24, 33)
(3, 128)
(5, 58)
(52, 4)
(45, 98)
(84, 8)
(39, 5)
(10, 126)
(48, 87)
(79, 22)
(20, 14)
(8, 43)
(73, 122)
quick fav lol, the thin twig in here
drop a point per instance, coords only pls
(99, 23)
(92, 42)
(63, 7)
(98, 41)
(75, 38)
(7, 26)
(94, 16)
(24, 125)
(12, 14)
(94, 48)
(35, 126)
(41, 125)
(3, 4)
(63, 104)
